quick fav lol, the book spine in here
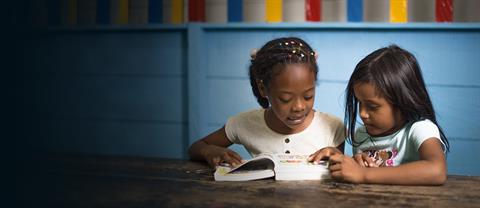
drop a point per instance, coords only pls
(167, 11)
(273, 10)
(177, 12)
(421, 11)
(253, 10)
(466, 11)
(155, 11)
(334, 10)
(375, 10)
(398, 11)
(355, 10)
(234, 10)
(138, 12)
(294, 10)
(196, 10)
(68, 12)
(103, 11)
(443, 10)
(313, 10)
(87, 12)
(216, 11)
(119, 11)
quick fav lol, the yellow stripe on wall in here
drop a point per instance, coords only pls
(398, 11)
(273, 10)
(177, 11)
(123, 12)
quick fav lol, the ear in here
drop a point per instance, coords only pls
(261, 88)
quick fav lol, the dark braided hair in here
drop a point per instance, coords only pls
(268, 62)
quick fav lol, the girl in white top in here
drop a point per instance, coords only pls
(283, 75)
(400, 141)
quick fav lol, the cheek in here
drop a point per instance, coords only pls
(386, 120)
(279, 108)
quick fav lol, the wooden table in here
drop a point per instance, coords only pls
(105, 181)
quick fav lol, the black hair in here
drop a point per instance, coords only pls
(397, 77)
(267, 62)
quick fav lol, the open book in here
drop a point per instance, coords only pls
(282, 167)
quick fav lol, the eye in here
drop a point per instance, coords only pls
(308, 97)
(372, 106)
(368, 106)
(284, 100)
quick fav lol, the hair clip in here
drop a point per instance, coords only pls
(253, 53)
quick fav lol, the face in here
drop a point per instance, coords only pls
(291, 94)
(378, 115)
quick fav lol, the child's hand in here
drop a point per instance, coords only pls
(323, 153)
(365, 161)
(215, 155)
(345, 168)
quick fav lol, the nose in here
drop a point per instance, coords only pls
(299, 105)
(363, 113)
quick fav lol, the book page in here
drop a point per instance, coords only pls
(294, 160)
(297, 167)
(256, 168)
(260, 162)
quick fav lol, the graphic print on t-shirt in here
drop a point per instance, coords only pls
(384, 157)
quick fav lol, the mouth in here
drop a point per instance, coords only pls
(295, 120)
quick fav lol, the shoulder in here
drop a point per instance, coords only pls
(329, 126)
(249, 121)
(254, 115)
(423, 127)
(423, 130)
(327, 119)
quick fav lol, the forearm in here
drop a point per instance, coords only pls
(415, 173)
(213, 149)
(197, 149)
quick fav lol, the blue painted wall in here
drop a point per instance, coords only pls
(108, 91)
(154, 90)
